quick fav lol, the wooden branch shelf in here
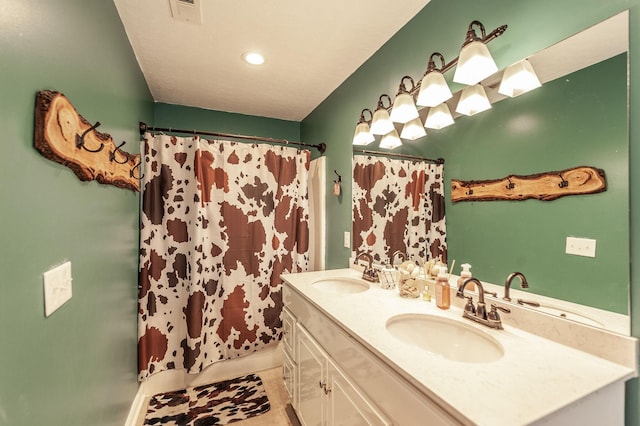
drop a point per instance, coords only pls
(543, 186)
(64, 136)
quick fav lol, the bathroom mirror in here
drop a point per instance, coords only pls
(578, 117)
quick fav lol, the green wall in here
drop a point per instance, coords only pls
(78, 366)
(441, 26)
(183, 117)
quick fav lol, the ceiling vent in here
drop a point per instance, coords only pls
(186, 10)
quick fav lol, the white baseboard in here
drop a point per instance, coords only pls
(137, 410)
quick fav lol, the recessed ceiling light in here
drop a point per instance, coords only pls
(253, 58)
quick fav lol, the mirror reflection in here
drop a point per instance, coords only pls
(577, 118)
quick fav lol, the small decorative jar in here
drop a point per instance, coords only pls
(388, 277)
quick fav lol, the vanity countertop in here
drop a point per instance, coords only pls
(533, 379)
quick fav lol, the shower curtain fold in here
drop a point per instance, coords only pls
(220, 222)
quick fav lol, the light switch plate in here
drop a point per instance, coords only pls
(581, 246)
(57, 287)
(347, 239)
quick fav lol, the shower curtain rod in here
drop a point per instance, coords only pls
(406, 156)
(322, 147)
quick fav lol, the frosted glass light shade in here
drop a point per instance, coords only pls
(391, 140)
(434, 90)
(413, 130)
(473, 100)
(381, 124)
(362, 135)
(519, 78)
(439, 117)
(404, 109)
(474, 64)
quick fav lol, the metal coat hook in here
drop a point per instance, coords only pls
(563, 183)
(339, 177)
(112, 155)
(511, 185)
(136, 167)
(80, 139)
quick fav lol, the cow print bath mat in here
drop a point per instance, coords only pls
(216, 404)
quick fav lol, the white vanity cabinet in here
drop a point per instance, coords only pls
(351, 369)
(326, 395)
(339, 382)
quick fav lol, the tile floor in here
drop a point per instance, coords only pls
(280, 414)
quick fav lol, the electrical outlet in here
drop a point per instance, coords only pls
(347, 239)
(57, 287)
(581, 247)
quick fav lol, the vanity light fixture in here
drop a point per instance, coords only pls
(473, 100)
(439, 117)
(413, 130)
(391, 140)
(253, 58)
(362, 135)
(433, 88)
(475, 62)
(381, 124)
(404, 109)
(519, 78)
(472, 66)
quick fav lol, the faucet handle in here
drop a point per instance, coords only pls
(528, 302)
(493, 314)
(491, 293)
(469, 306)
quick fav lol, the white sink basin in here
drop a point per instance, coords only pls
(570, 314)
(448, 338)
(341, 285)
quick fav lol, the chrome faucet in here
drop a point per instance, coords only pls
(369, 273)
(507, 283)
(479, 313)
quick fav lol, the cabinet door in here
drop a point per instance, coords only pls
(347, 405)
(288, 333)
(312, 382)
(289, 374)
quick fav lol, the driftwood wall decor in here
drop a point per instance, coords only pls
(64, 136)
(543, 186)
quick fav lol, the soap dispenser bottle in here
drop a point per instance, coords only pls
(465, 275)
(443, 294)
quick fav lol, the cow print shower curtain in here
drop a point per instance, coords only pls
(398, 205)
(220, 222)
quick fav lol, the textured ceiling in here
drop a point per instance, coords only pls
(310, 49)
